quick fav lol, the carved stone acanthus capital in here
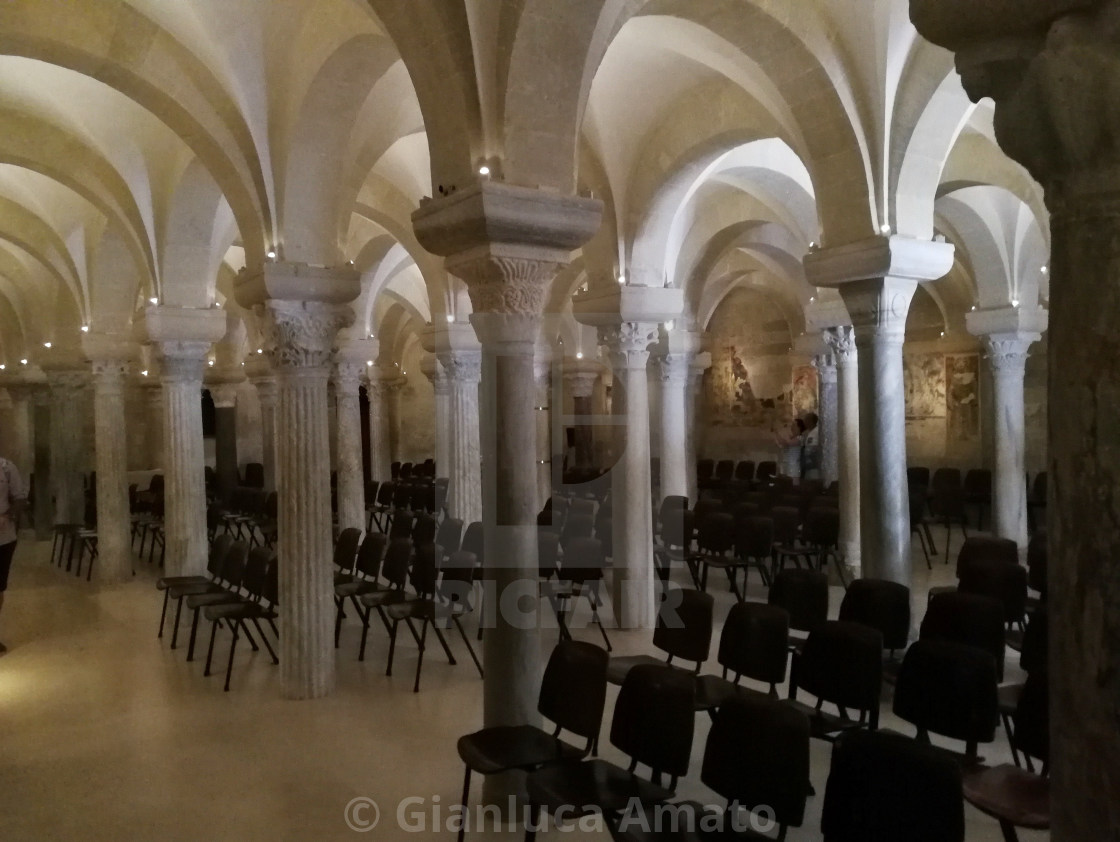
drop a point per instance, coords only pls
(502, 284)
(347, 378)
(109, 374)
(462, 367)
(628, 343)
(301, 334)
(183, 360)
(67, 384)
(675, 368)
(825, 364)
(1007, 355)
(841, 342)
(581, 382)
(224, 395)
(878, 307)
(1053, 70)
(266, 391)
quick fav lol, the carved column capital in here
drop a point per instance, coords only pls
(300, 335)
(581, 380)
(825, 364)
(878, 307)
(224, 395)
(628, 343)
(500, 284)
(462, 367)
(1007, 355)
(841, 342)
(109, 374)
(347, 377)
(182, 360)
(67, 382)
(675, 368)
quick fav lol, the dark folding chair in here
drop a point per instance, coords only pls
(180, 587)
(257, 607)
(394, 568)
(581, 574)
(572, 695)
(881, 605)
(804, 595)
(978, 492)
(346, 554)
(715, 542)
(754, 644)
(652, 725)
(885, 787)
(683, 631)
(366, 578)
(967, 618)
(841, 663)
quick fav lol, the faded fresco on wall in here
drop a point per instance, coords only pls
(962, 392)
(924, 379)
(805, 395)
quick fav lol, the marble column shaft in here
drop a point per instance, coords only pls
(298, 339)
(182, 367)
(224, 397)
(464, 491)
(692, 397)
(1008, 361)
(841, 343)
(633, 591)
(114, 541)
(67, 484)
(441, 389)
(266, 396)
(348, 416)
(878, 308)
(21, 441)
(377, 390)
(829, 412)
(542, 378)
(153, 395)
(675, 374)
(582, 383)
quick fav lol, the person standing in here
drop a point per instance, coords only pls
(811, 453)
(789, 440)
(13, 497)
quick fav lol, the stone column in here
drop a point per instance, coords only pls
(260, 374)
(348, 416)
(377, 390)
(507, 243)
(1008, 360)
(41, 423)
(842, 344)
(1052, 70)
(829, 412)
(580, 378)
(19, 429)
(700, 364)
(184, 480)
(298, 339)
(441, 388)
(224, 396)
(676, 370)
(464, 490)
(877, 279)
(154, 424)
(114, 544)
(628, 351)
(67, 483)
(542, 378)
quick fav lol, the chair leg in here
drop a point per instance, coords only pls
(443, 642)
(1009, 833)
(175, 632)
(210, 648)
(392, 647)
(163, 613)
(464, 801)
(337, 620)
(365, 634)
(1010, 738)
(420, 654)
(194, 631)
(264, 640)
(234, 625)
(593, 598)
(467, 641)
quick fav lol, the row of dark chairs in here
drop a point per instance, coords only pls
(726, 473)
(408, 470)
(411, 495)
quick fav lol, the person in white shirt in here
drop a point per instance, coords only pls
(13, 497)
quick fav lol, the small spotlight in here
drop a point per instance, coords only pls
(579, 355)
(974, 308)
(46, 344)
(812, 298)
(153, 300)
(23, 362)
(2, 366)
(450, 318)
(1045, 269)
(942, 333)
(369, 362)
(669, 325)
(1014, 302)
(271, 254)
(144, 372)
(886, 229)
(621, 278)
(349, 262)
(210, 362)
(484, 170)
(85, 328)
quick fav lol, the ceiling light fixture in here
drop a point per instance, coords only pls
(153, 300)
(669, 325)
(886, 229)
(1014, 302)
(144, 372)
(271, 254)
(23, 362)
(450, 318)
(46, 344)
(209, 362)
(85, 328)
(621, 278)
(1045, 269)
(579, 355)
(484, 170)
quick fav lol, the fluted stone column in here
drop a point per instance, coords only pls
(67, 485)
(829, 412)
(1008, 360)
(700, 364)
(1053, 71)
(224, 396)
(377, 390)
(348, 416)
(19, 432)
(41, 423)
(154, 423)
(114, 545)
(391, 401)
(542, 379)
(507, 243)
(877, 279)
(464, 490)
(260, 374)
(676, 370)
(633, 589)
(842, 345)
(183, 365)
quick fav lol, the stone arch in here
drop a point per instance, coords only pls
(191, 250)
(114, 283)
(41, 242)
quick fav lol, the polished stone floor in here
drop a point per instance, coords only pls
(106, 734)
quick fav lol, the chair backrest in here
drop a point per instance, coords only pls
(423, 530)
(401, 526)
(1037, 561)
(842, 663)
(671, 503)
(744, 471)
(986, 547)
(884, 786)
(978, 482)
(402, 496)
(424, 573)
(1035, 654)
(577, 526)
(999, 579)
(574, 688)
(457, 576)
(755, 642)
(804, 594)
(370, 555)
(684, 625)
(757, 755)
(548, 553)
(582, 508)
(947, 478)
(1038, 489)
(254, 475)
(395, 565)
(1032, 717)
(716, 533)
(218, 552)
(917, 477)
(705, 469)
(822, 527)
(372, 487)
(583, 560)
(949, 689)
(766, 471)
(786, 520)
(966, 618)
(653, 719)
(472, 540)
(449, 536)
(256, 572)
(880, 605)
(233, 566)
(346, 549)
(725, 469)
(385, 493)
(754, 537)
